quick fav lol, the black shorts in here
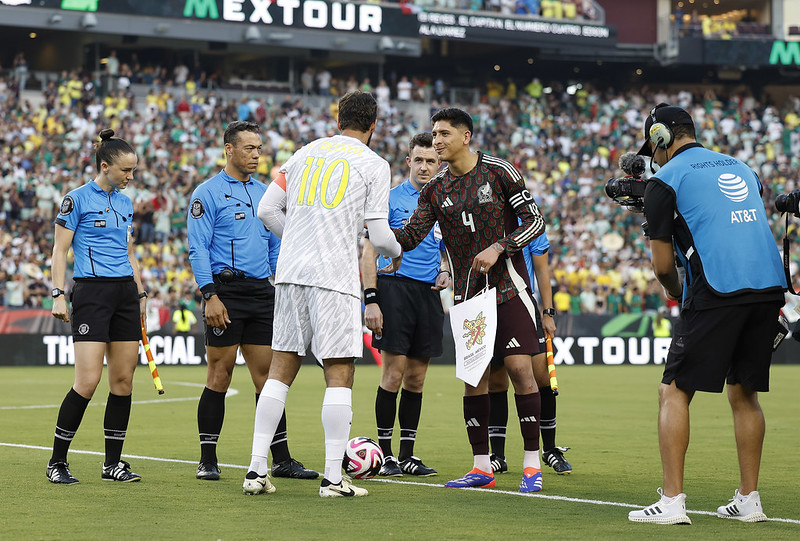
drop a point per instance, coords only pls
(518, 324)
(730, 344)
(250, 303)
(105, 310)
(413, 318)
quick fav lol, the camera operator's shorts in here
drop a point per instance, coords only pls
(730, 344)
(250, 303)
(330, 321)
(413, 319)
(105, 310)
(518, 328)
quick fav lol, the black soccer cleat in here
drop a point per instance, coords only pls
(293, 469)
(390, 468)
(58, 472)
(555, 459)
(208, 471)
(414, 466)
(499, 464)
(121, 471)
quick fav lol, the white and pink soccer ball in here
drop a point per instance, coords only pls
(363, 458)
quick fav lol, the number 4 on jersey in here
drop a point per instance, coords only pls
(468, 220)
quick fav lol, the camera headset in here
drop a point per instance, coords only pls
(660, 134)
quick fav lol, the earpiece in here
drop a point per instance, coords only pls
(660, 134)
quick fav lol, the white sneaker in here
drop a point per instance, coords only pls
(343, 489)
(664, 511)
(744, 508)
(253, 484)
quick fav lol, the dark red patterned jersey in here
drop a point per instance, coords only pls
(488, 204)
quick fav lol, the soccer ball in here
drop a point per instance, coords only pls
(363, 458)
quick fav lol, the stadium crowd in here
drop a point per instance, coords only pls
(565, 142)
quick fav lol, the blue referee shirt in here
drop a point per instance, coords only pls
(421, 263)
(537, 246)
(101, 222)
(225, 232)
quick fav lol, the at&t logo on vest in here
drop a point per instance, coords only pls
(735, 188)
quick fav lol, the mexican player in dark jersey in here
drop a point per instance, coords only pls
(486, 216)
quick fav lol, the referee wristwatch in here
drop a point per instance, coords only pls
(208, 294)
(57, 292)
(549, 312)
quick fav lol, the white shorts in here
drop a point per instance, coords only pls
(328, 320)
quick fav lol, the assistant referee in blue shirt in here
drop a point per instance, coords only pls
(232, 256)
(404, 311)
(108, 300)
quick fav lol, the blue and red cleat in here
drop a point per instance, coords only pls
(531, 480)
(475, 478)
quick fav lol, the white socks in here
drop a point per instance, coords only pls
(531, 460)
(337, 413)
(269, 411)
(482, 462)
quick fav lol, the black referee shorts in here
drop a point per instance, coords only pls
(413, 318)
(250, 303)
(105, 310)
(730, 344)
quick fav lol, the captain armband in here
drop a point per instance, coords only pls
(520, 198)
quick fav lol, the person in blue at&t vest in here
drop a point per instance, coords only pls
(404, 311)
(232, 256)
(536, 261)
(108, 300)
(705, 208)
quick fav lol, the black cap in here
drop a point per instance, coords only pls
(669, 115)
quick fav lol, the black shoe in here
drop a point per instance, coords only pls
(121, 471)
(390, 468)
(294, 469)
(499, 464)
(555, 459)
(414, 466)
(208, 471)
(58, 472)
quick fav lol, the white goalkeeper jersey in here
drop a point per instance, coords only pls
(333, 185)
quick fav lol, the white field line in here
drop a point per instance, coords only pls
(231, 392)
(397, 482)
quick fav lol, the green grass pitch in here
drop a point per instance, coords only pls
(607, 414)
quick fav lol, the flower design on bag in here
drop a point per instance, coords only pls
(476, 330)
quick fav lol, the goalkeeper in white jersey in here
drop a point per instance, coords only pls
(329, 189)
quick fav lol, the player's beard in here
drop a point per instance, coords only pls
(369, 139)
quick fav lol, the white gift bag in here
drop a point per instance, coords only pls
(474, 325)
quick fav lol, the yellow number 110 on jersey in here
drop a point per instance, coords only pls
(308, 193)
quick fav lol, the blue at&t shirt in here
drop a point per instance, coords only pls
(421, 263)
(102, 222)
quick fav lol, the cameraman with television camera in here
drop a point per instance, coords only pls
(705, 207)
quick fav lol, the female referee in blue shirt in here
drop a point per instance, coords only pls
(107, 302)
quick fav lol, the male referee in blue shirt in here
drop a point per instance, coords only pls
(404, 311)
(232, 256)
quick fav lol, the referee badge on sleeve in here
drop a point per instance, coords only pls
(197, 210)
(67, 204)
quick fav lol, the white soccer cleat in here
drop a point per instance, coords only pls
(664, 511)
(253, 484)
(342, 490)
(744, 508)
